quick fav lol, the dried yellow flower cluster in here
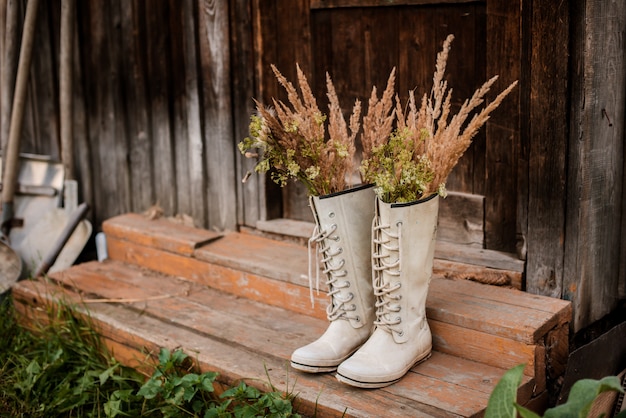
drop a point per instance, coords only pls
(406, 162)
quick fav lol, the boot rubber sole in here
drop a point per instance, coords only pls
(380, 383)
(313, 369)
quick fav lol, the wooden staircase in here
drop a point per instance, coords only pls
(240, 304)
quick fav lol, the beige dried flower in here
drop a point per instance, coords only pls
(298, 141)
(438, 141)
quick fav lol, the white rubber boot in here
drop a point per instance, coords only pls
(403, 246)
(343, 236)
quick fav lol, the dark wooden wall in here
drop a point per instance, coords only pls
(163, 93)
(153, 115)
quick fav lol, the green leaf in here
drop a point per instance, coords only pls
(207, 380)
(150, 389)
(164, 356)
(525, 413)
(502, 400)
(112, 408)
(178, 357)
(104, 376)
(582, 395)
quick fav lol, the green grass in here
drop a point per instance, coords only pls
(62, 369)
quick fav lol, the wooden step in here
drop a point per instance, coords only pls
(241, 303)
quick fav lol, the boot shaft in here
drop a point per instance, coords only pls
(403, 247)
(343, 225)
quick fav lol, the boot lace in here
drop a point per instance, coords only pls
(387, 302)
(333, 269)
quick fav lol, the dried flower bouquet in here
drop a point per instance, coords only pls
(407, 154)
(296, 142)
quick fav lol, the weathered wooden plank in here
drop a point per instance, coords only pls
(252, 254)
(283, 294)
(159, 93)
(40, 132)
(158, 233)
(546, 70)
(133, 39)
(219, 144)
(193, 157)
(105, 113)
(595, 200)
(322, 4)
(258, 327)
(477, 256)
(182, 57)
(82, 148)
(465, 72)
(444, 251)
(500, 183)
(461, 219)
(483, 306)
(133, 334)
(474, 312)
(263, 329)
(294, 35)
(486, 275)
(123, 191)
(250, 194)
(482, 347)
(477, 376)
(295, 298)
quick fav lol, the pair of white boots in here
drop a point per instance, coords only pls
(378, 274)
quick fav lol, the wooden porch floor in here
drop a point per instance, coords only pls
(240, 304)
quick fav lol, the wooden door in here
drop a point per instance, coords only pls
(359, 42)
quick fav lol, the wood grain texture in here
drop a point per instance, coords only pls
(468, 319)
(245, 339)
(160, 233)
(251, 193)
(471, 303)
(162, 128)
(547, 65)
(461, 219)
(183, 84)
(321, 4)
(217, 116)
(595, 199)
(195, 147)
(101, 113)
(502, 148)
(291, 296)
(141, 165)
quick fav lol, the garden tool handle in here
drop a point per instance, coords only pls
(17, 114)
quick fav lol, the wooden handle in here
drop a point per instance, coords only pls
(65, 87)
(19, 100)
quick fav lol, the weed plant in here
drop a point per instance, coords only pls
(62, 369)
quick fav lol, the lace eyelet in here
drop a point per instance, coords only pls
(346, 283)
(357, 319)
(331, 214)
(401, 333)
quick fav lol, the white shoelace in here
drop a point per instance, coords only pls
(386, 301)
(333, 271)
